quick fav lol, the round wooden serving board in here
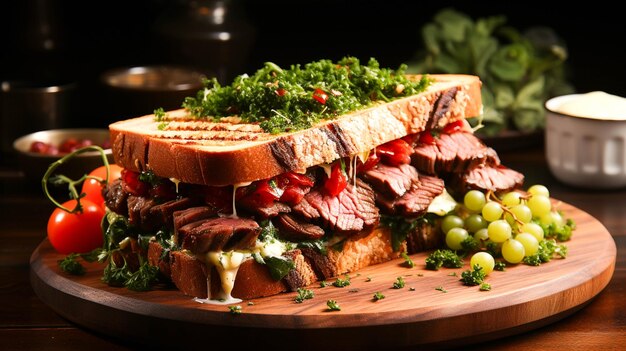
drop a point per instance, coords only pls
(433, 308)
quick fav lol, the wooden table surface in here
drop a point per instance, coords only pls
(28, 324)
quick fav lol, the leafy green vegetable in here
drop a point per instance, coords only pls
(143, 278)
(399, 283)
(443, 257)
(519, 71)
(333, 305)
(474, 276)
(378, 296)
(303, 294)
(71, 266)
(283, 100)
(400, 229)
(407, 260)
(548, 249)
(279, 266)
(340, 283)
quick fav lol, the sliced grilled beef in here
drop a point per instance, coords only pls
(191, 215)
(162, 214)
(292, 229)
(221, 233)
(115, 197)
(453, 153)
(494, 178)
(392, 181)
(272, 210)
(139, 212)
(352, 211)
(414, 202)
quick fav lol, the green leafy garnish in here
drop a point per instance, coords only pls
(399, 283)
(340, 283)
(295, 98)
(303, 294)
(441, 288)
(407, 260)
(235, 309)
(333, 305)
(143, 278)
(378, 296)
(519, 71)
(443, 257)
(485, 287)
(548, 249)
(474, 276)
(71, 266)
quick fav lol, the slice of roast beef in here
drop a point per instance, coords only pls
(485, 178)
(414, 202)
(220, 233)
(391, 181)
(272, 210)
(139, 212)
(453, 153)
(351, 211)
(162, 214)
(115, 198)
(292, 229)
(191, 215)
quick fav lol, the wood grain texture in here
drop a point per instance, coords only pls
(522, 298)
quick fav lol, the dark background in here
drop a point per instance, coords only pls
(86, 38)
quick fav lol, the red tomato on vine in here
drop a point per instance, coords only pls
(77, 232)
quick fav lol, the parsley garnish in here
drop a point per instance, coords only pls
(443, 257)
(340, 283)
(71, 266)
(407, 260)
(333, 305)
(440, 288)
(303, 294)
(284, 99)
(399, 283)
(485, 287)
(235, 309)
(474, 276)
(378, 296)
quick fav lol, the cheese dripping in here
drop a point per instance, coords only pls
(226, 265)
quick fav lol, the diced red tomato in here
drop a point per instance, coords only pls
(395, 152)
(281, 92)
(293, 195)
(294, 179)
(338, 180)
(132, 184)
(426, 137)
(371, 162)
(454, 127)
(264, 193)
(320, 96)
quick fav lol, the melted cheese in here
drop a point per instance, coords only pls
(227, 265)
(176, 182)
(235, 187)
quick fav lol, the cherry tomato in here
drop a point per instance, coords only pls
(320, 96)
(76, 232)
(454, 127)
(337, 181)
(93, 189)
(43, 148)
(395, 152)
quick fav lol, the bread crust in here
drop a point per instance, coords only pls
(219, 154)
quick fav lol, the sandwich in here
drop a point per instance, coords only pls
(293, 176)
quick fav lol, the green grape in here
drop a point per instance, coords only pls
(539, 205)
(539, 189)
(481, 235)
(513, 251)
(451, 221)
(474, 200)
(483, 259)
(531, 244)
(492, 211)
(521, 212)
(552, 218)
(475, 222)
(534, 229)
(455, 237)
(499, 231)
(511, 199)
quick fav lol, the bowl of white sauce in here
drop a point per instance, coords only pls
(586, 139)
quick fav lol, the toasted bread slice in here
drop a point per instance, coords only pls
(225, 153)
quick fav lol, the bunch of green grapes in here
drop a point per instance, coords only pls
(511, 225)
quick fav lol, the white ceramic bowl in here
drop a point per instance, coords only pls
(34, 165)
(585, 152)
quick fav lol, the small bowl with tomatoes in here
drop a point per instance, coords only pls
(37, 151)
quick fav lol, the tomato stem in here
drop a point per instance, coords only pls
(71, 183)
